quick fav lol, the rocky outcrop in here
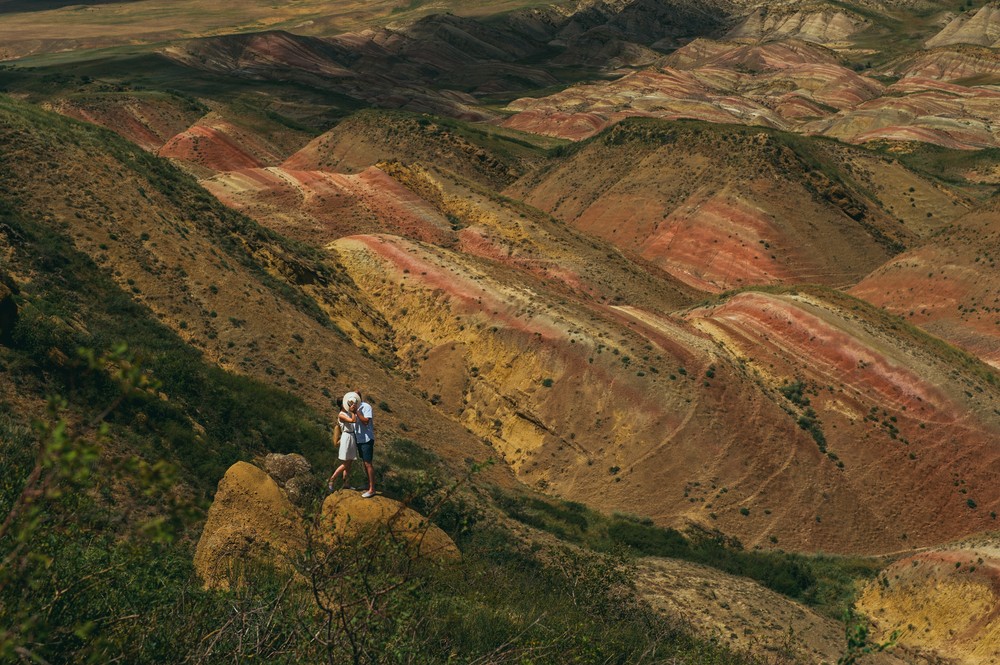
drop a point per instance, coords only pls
(346, 515)
(292, 473)
(250, 518)
(286, 467)
(253, 518)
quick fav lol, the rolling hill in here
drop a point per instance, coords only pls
(721, 208)
(622, 278)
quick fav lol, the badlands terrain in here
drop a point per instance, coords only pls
(723, 269)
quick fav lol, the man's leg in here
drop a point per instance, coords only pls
(371, 477)
(367, 453)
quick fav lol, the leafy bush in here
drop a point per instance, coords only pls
(794, 393)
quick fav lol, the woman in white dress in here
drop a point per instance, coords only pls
(348, 446)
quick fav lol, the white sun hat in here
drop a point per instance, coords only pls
(352, 398)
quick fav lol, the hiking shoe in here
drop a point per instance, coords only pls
(329, 487)
(369, 494)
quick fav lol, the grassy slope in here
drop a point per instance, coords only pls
(58, 314)
(143, 602)
(486, 153)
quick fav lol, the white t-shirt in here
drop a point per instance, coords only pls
(365, 431)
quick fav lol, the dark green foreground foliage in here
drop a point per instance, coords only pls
(78, 585)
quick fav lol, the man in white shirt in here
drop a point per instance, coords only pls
(365, 437)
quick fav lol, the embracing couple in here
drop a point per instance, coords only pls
(357, 437)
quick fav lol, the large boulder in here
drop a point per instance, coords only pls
(251, 518)
(285, 467)
(346, 515)
(293, 473)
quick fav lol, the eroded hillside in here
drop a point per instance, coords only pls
(721, 208)
(717, 419)
(942, 601)
(949, 285)
(486, 306)
(248, 300)
(725, 267)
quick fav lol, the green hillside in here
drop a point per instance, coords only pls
(98, 544)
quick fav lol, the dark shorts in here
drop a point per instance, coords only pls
(366, 451)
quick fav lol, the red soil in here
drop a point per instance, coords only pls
(878, 400)
(712, 226)
(573, 126)
(478, 242)
(787, 85)
(678, 438)
(950, 286)
(712, 244)
(211, 147)
(319, 207)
